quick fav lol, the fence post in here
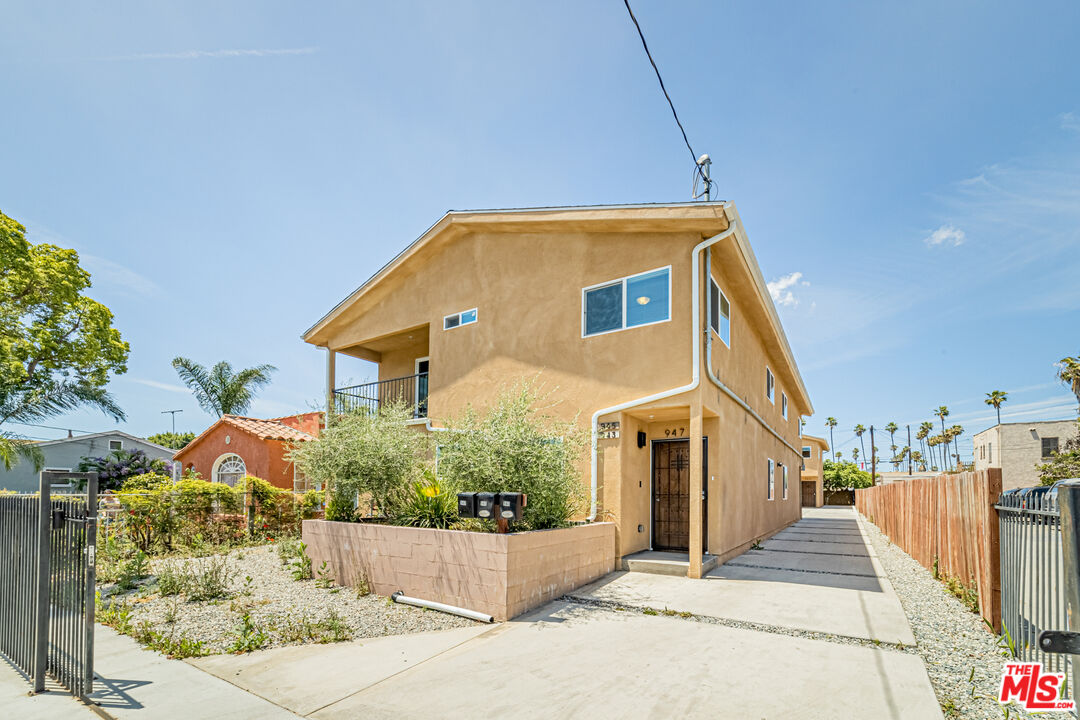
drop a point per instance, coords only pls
(1069, 503)
(41, 609)
(91, 579)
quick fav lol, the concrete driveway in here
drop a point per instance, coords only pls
(806, 627)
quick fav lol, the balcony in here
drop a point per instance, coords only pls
(411, 390)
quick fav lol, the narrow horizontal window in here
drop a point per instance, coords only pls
(719, 312)
(629, 302)
(466, 317)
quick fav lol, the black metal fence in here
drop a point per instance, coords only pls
(1032, 574)
(47, 561)
(411, 390)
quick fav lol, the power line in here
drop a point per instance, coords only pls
(693, 155)
(50, 427)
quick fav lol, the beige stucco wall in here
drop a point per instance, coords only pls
(1016, 448)
(527, 288)
(501, 575)
(813, 466)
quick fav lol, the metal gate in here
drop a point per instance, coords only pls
(1032, 574)
(47, 554)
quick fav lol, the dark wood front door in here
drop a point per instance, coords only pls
(809, 494)
(671, 494)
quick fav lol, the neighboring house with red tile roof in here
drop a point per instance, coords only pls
(236, 446)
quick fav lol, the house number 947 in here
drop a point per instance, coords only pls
(675, 432)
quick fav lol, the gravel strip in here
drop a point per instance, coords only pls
(277, 604)
(952, 640)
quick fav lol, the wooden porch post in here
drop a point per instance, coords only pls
(331, 358)
(696, 485)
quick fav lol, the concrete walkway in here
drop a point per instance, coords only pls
(819, 575)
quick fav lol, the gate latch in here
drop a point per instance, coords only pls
(1060, 641)
(57, 518)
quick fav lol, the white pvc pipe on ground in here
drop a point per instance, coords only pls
(400, 597)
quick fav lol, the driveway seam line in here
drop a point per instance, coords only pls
(816, 572)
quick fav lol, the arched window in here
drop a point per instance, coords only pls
(228, 469)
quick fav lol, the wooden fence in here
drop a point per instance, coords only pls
(947, 518)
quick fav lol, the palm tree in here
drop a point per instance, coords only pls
(996, 399)
(943, 412)
(917, 458)
(891, 428)
(859, 430)
(219, 390)
(954, 432)
(831, 422)
(1069, 373)
(855, 455)
(933, 441)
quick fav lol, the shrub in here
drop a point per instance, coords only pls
(516, 447)
(209, 579)
(131, 571)
(428, 504)
(119, 465)
(172, 580)
(364, 453)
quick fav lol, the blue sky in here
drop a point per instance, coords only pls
(908, 173)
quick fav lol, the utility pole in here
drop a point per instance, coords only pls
(909, 450)
(873, 458)
(173, 413)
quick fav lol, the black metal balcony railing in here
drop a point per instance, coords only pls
(411, 390)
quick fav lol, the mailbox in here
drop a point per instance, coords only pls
(466, 504)
(485, 505)
(511, 505)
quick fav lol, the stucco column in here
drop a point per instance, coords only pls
(331, 362)
(696, 484)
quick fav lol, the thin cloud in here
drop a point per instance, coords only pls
(1069, 121)
(780, 289)
(946, 235)
(204, 54)
(161, 386)
(114, 276)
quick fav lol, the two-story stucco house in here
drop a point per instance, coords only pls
(813, 470)
(652, 322)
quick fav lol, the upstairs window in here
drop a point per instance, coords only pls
(783, 405)
(770, 386)
(772, 479)
(625, 303)
(465, 317)
(116, 444)
(1049, 446)
(807, 451)
(719, 312)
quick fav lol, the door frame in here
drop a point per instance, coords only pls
(416, 384)
(704, 489)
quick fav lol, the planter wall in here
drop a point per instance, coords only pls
(502, 575)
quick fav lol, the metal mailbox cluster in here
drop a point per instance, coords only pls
(507, 505)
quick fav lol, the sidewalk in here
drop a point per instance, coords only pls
(55, 703)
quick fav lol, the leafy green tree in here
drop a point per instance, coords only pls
(1069, 373)
(515, 447)
(844, 476)
(172, 440)
(996, 399)
(219, 390)
(58, 347)
(831, 422)
(372, 454)
(1063, 464)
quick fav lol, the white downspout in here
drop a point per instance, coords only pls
(695, 360)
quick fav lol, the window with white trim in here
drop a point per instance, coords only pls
(783, 404)
(807, 451)
(632, 301)
(785, 481)
(229, 469)
(772, 479)
(770, 386)
(719, 312)
(465, 317)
